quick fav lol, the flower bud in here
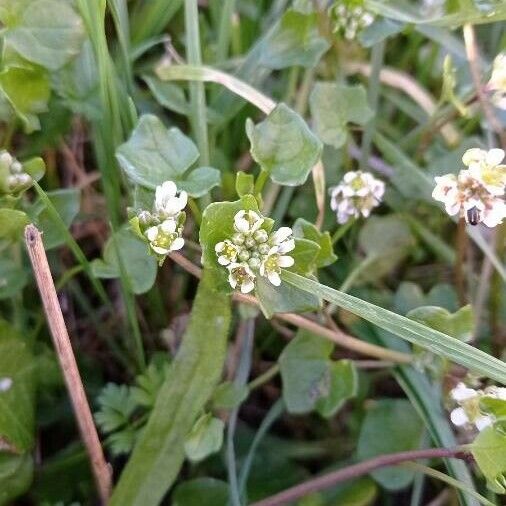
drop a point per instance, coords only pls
(244, 255)
(261, 236)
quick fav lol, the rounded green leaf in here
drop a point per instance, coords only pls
(284, 146)
(205, 438)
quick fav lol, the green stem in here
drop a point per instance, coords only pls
(377, 53)
(433, 473)
(354, 275)
(260, 181)
(265, 377)
(341, 231)
(71, 243)
(197, 95)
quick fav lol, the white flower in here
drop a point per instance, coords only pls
(477, 193)
(167, 203)
(468, 411)
(283, 240)
(485, 167)
(247, 222)
(350, 19)
(165, 237)
(356, 195)
(5, 384)
(273, 263)
(241, 276)
(227, 252)
(497, 82)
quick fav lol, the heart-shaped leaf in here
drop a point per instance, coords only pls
(205, 438)
(305, 229)
(284, 146)
(333, 106)
(154, 154)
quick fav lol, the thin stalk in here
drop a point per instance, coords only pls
(197, 94)
(272, 415)
(71, 243)
(377, 54)
(354, 275)
(342, 229)
(260, 181)
(246, 334)
(460, 261)
(355, 471)
(438, 475)
(265, 377)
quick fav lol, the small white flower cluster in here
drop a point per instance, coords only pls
(477, 193)
(252, 252)
(497, 82)
(163, 226)
(13, 178)
(356, 195)
(468, 412)
(350, 17)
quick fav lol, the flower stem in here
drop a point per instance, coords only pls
(460, 260)
(265, 377)
(354, 471)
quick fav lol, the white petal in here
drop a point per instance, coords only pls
(177, 244)
(458, 417)
(219, 247)
(247, 286)
(241, 225)
(462, 393)
(274, 278)
(168, 226)
(5, 384)
(473, 155)
(262, 269)
(495, 157)
(281, 235)
(183, 199)
(159, 250)
(286, 246)
(232, 281)
(285, 261)
(151, 233)
(169, 188)
(483, 422)
(223, 260)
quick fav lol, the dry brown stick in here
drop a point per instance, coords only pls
(63, 348)
(473, 58)
(337, 336)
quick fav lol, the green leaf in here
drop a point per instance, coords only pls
(168, 94)
(304, 254)
(12, 278)
(414, 332)
(283, 298)
(218, 225)
(284, 146)
(27, 90)
(17, 394)
(294, 41)
(148, 383)
(305, 229)
(229, 395)
(154, 154)
(116, 406)
(78, 84)
(139, 267)
(46, 32)
(194, 373)
(459, 325)
(381, 29)
(205, 438)
(67, 203)
(35, 167)
(201, 491)
(489, 451)
(390, 426)
(311, 380)
(343, 385)
(12, 224)
(386, 240)
(244, 184)
(333, 106)
(16, 474)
